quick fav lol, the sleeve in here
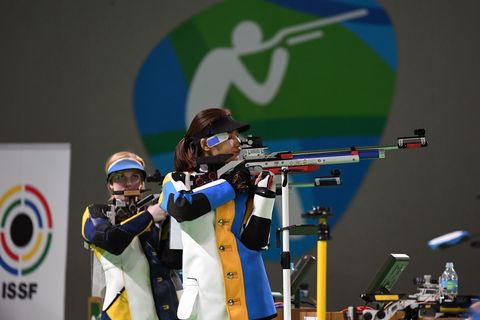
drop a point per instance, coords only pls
(99, 231)
(188, 205)
(256, 232)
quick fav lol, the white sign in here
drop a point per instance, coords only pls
(34, 184)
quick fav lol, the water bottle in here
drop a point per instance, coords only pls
(449, 280)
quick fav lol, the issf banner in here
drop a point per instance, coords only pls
(34, 184)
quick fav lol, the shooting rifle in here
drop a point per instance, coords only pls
(256, 159)
(429, 301)
(131, 205)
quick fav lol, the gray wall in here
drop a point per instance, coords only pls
(67, 70)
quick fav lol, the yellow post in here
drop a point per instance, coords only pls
(323, 234)
(321, 280)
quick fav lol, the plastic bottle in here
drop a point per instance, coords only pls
(449, 280)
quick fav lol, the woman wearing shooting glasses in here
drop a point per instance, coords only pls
(225, 223)
(127, 240)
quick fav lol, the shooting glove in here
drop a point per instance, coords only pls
(238, 177)
(265, 185)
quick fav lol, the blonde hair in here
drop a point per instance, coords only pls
(123, 155)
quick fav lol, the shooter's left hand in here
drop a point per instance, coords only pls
(158, 214)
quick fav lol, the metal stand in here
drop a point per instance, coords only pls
(323, 234)
(285, 257)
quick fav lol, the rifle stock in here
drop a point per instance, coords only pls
(256, 159)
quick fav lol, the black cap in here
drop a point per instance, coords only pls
(223, 124)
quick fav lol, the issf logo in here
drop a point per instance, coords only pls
(25, 229)
(306, 75)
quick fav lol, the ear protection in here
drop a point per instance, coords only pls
(217, 139)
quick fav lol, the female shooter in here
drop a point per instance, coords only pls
(126, 241)
(224, 222)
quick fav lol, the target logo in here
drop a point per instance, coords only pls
(25, 229)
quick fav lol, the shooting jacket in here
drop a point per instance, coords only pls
(222, 235)
(138, 286)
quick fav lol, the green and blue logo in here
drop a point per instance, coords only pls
(305, 74)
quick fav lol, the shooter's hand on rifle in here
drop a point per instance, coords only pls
(238, 177)
(158, 214)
